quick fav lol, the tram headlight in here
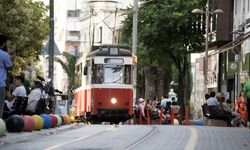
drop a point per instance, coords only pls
(113, 100)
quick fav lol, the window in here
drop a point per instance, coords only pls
(128, 74)
(98, 74)
(89, 71)
(113, 51)
(74, 33)
(113, 74)
(73, 13)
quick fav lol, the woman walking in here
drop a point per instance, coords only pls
(241, 107)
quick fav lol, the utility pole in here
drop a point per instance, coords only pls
(51, 42)
(206, 48)
(207, 12)
(134, 45)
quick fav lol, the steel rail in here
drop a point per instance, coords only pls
(81, 138)
(142, 139)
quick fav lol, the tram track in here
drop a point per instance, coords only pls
(142, 139)
(81, 138)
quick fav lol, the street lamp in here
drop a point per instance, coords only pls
(207, 12)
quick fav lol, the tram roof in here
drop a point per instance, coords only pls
(110, 50)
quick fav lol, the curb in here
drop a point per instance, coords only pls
(11, 138)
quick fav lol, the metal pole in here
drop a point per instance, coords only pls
(51, 42)
(134, 44)
(206, 48)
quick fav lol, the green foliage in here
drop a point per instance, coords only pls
(68, 66)
(167, 33)
(26, 25)
(166, 30)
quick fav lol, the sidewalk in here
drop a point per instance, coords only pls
(11, 137)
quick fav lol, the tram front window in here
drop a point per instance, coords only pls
(98, 74)
(113, 74)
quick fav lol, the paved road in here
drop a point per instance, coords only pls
(139, 137)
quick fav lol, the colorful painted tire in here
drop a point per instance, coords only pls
(59, 120)
(29, 123)
(176, 122)
(38, 122)
(2, 127)
(199, 122)
(47, 122)
(15, 123)
(68, 119)
(63, 119)
(54, 120)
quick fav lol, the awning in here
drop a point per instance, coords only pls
(238, 41)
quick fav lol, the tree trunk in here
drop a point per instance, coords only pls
(163, 82)
(149, 82)
(184, 86)
(140, 85)
(181, 94)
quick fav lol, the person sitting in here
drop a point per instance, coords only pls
(216, 110)
(207, 96)
(212, 101)
(18, 92)
(236, 118)
(34, 96)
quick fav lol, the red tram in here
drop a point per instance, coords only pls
(105, 92)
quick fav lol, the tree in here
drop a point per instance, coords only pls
(168, 33)
(69, 67)
(26, 25)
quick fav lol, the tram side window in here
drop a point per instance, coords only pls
(98, 74)
(88, 71)
(128, 73)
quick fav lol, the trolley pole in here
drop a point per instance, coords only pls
(51, 42)
(134, 45)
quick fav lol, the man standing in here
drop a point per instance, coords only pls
(5, 63)
(246, 90)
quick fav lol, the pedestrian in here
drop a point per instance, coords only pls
(241, 107)
(142, 105)
(246, 90)
(5, 63)
(163, 101)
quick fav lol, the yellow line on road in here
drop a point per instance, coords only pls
(192, 139)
